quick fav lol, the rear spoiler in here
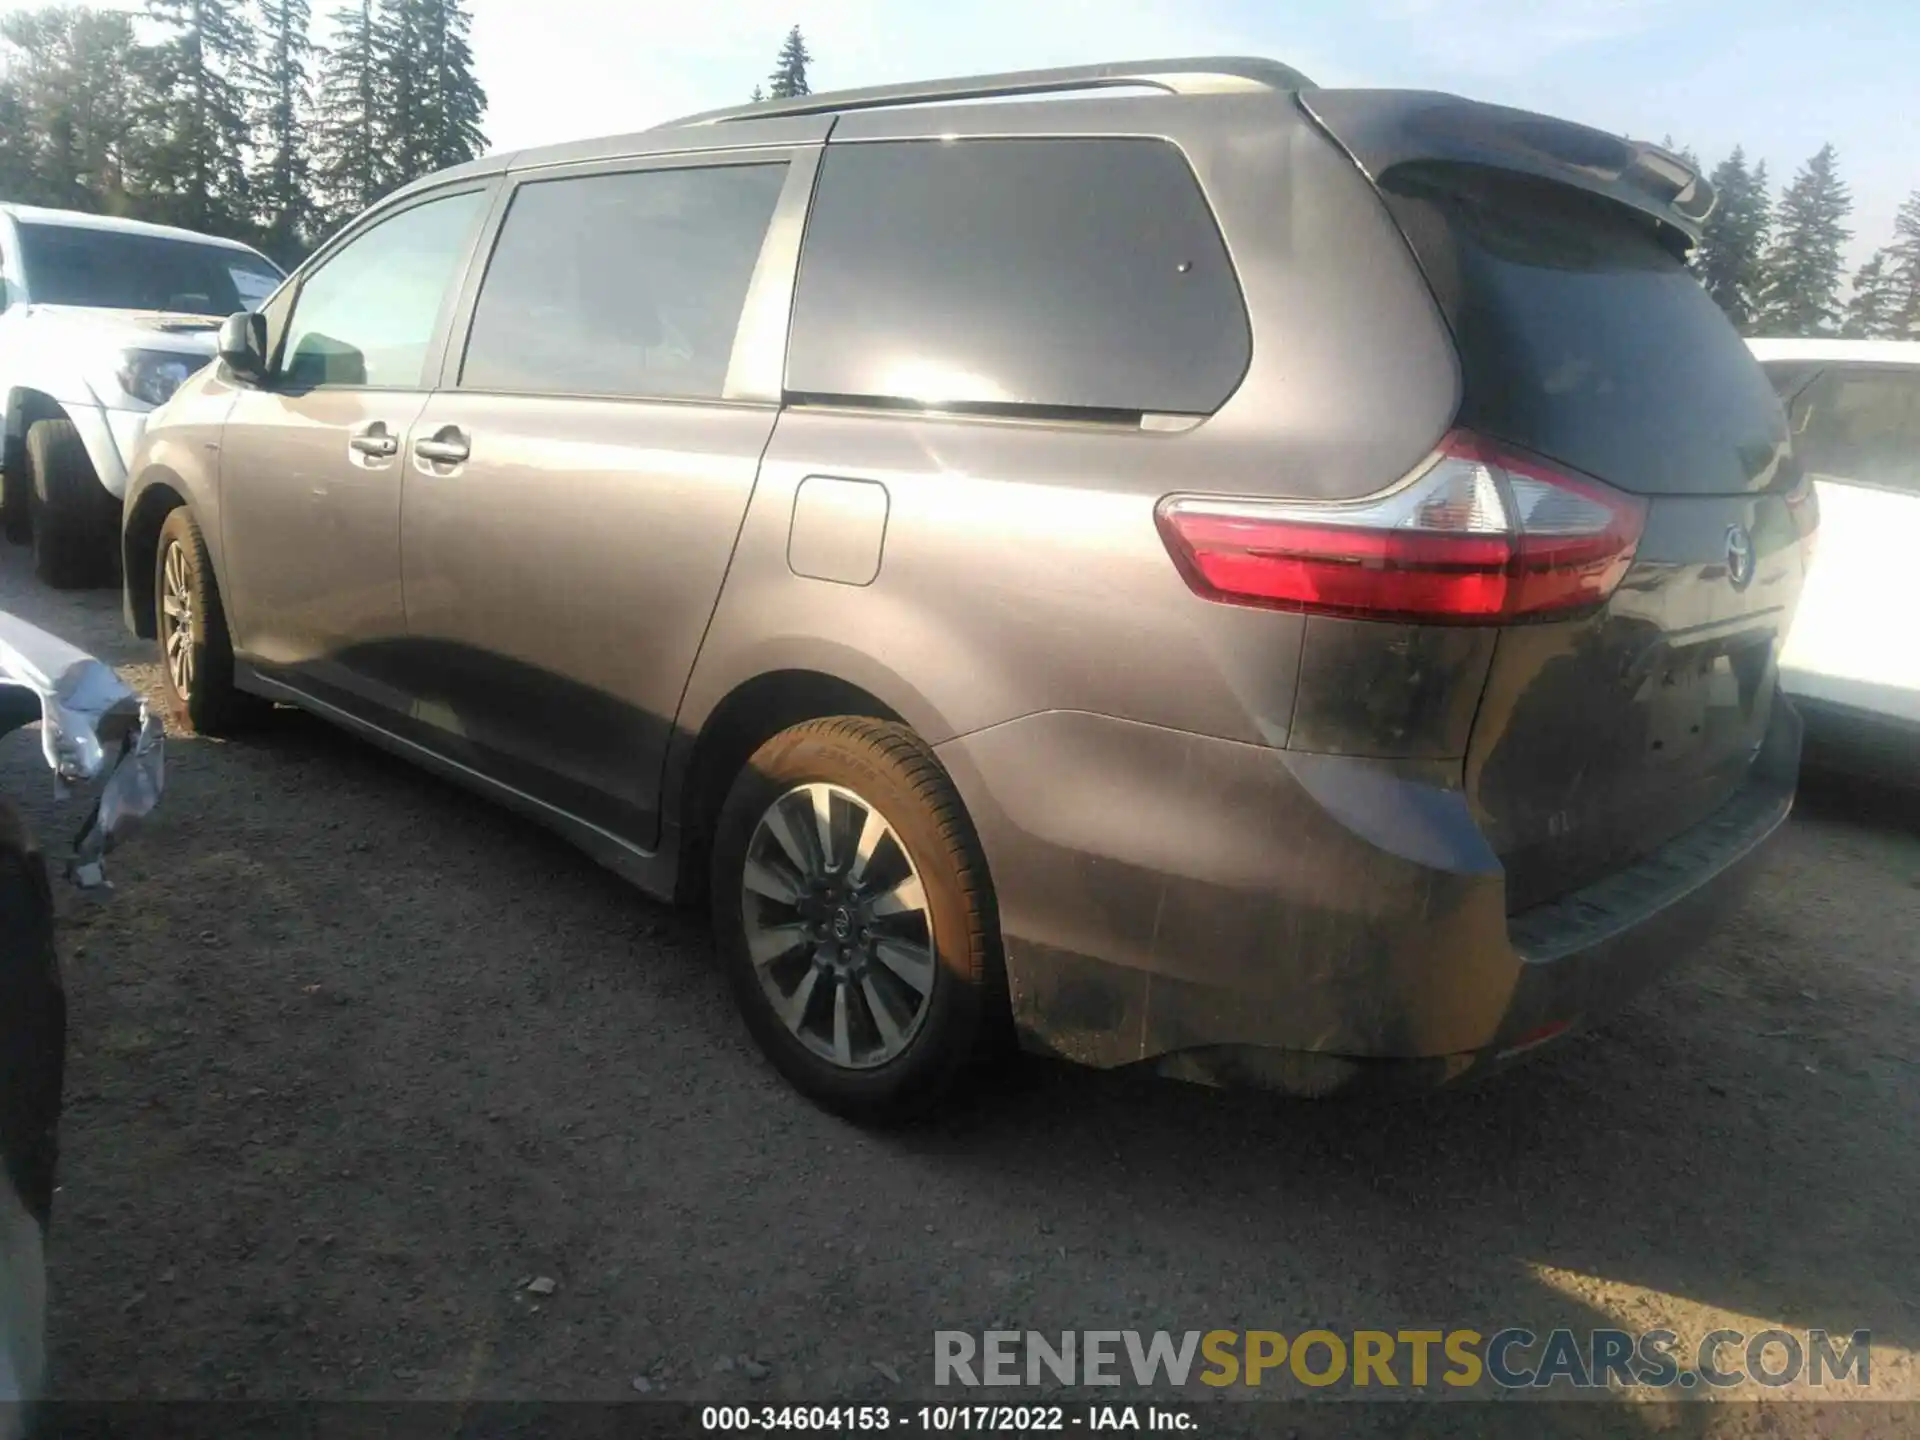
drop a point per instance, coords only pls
(1382, 129)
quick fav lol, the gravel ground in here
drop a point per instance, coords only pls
(356, 1056)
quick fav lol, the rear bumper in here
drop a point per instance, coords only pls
(1238, 914)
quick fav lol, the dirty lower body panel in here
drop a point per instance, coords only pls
(1235, 914)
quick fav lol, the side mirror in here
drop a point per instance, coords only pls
(243, 345)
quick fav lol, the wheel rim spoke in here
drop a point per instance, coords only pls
(877, 1008)
(823, 824)
(793, 1008)
(779, 824)
(905, 898)
(842, 1027)
(775, 942)
(872, 831)
(830, 897)
(764, 879)
(911, 964)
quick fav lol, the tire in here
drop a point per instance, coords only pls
(856, 1067)
(73, 519)
(33, 1020)
(201, 699)
(15, 525)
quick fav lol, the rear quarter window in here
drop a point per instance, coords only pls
(1081, 275)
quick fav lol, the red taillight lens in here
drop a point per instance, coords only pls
(1478, 535)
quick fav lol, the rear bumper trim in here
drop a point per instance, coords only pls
(1609, 908)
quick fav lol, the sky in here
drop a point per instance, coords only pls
(1780, 77)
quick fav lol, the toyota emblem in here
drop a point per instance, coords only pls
(1739, 556)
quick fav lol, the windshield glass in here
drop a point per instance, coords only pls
(111, 269)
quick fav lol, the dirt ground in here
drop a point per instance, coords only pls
(355, 1056)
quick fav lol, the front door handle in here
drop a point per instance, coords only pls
(449, 447)
(375, 440)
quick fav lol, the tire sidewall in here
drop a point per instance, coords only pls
(946, 1040)
(15, 488)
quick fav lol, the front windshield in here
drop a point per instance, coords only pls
(117, 270)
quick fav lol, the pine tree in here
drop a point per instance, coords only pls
(1734, 237)
(1800, 287)
(758, 95)
(41, 76)
(1903, 272)
(19, 181)
(789, 77)
(70, 127)
(398, 42)
(1870, 309)
(350, 169)
(196, 167)
(451, 102)
(398, 99)
(281, 97)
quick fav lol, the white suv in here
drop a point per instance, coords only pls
(100, 322)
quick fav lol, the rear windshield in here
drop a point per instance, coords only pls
(115, 270)
(1583, 338)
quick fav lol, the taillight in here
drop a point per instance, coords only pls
(1478, 535)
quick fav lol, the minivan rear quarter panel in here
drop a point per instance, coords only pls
(1049, 526)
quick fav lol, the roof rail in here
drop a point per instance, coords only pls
(1207, 75)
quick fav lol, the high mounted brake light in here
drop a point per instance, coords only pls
(1478, 535)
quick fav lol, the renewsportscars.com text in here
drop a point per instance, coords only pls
(1510, 1358)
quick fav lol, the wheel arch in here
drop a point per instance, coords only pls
(27, 404)
(160, 495)
(24, 406)
(739, 723)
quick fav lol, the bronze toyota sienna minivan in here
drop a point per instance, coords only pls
(1274, 583)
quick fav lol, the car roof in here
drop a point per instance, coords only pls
(84, 220)
(1873, 352)
(807, 119)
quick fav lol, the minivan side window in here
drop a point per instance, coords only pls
(629, 284)
(1863, 426)
(366, 316)
(1076, 275)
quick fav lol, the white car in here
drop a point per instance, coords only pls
(1852, 661)
(101, 320)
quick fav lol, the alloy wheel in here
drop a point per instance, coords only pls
(176, 618)
(838, 927)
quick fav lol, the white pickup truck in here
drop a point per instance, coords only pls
(101, 320)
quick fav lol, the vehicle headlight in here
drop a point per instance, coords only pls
(153, 375)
